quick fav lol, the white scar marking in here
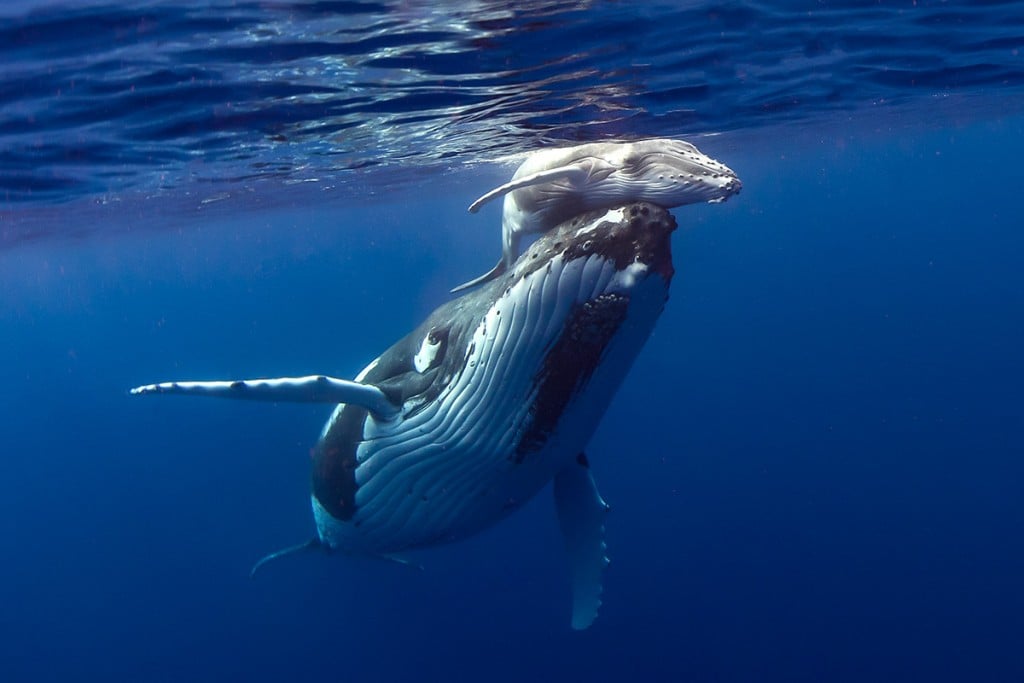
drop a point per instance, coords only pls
(424, 358)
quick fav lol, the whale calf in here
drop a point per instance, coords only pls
(492, 397)
(553, 185)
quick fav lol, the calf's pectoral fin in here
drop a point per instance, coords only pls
(309, 389)
(572, 172)
(494, 272)
(581, 512)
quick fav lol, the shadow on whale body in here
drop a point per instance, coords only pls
(494, 395)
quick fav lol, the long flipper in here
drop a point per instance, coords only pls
(573, 172)
(581, 512)
(309, 389)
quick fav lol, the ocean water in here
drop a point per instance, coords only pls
(816, 465)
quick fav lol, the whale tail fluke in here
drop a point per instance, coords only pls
(310, 545)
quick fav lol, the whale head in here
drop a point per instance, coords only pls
(666, 172)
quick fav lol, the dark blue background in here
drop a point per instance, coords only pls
(815, 467)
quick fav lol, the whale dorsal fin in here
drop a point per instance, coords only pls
(581, 512)
(575, 172)
(309, 389)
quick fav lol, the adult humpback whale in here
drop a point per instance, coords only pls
(494, 395)
(553, 185)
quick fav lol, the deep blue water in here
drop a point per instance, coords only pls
(816, 466)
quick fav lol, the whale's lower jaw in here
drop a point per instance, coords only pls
(540, 368)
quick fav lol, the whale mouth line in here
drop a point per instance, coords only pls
(670, 165)
(676, 184)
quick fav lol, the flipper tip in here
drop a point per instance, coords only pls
(486, 277)
(312, 544)
(466, 285)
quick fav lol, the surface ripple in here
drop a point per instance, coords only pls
(99, 98)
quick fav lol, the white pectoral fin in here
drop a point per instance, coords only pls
(581, 512)
(573, 172)
(310, 389)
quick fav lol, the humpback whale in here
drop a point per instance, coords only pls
(492, 397)
(553, 185)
